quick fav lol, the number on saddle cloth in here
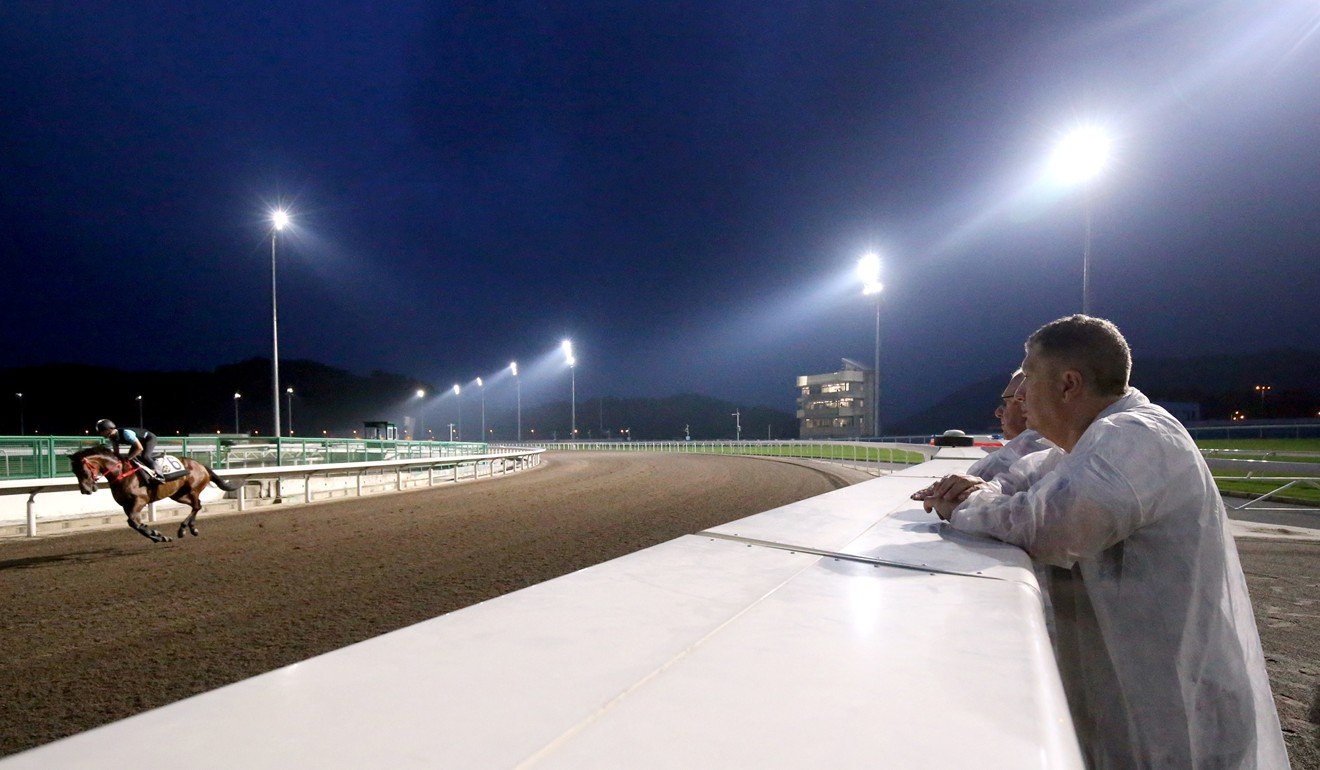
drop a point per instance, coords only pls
(170, 468)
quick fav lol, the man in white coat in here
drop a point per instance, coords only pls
(1022, 440)
(1155, 636)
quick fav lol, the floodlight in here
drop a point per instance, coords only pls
(421, 393)
(480, 384)
(457, 390)
(280, 218)
(514, 366)
(1081, 154)
(868, 271)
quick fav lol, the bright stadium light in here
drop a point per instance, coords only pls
(868, 271)
(421, 393)
(279, 219)
(517, 384)
(1080, 155)
(457, 390)
(567, 347)
(1078, 158)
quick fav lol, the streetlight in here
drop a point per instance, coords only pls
(459, 393)
(288, 400)
(1079, 157)
(1262, 390)
(567, 346)
(868, 270)
(21, 427)
(141, 421)
(279, 220)
(482, 385)
(518, 386)
(737, 424)
(237, 396)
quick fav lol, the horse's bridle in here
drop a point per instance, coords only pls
(106, 470)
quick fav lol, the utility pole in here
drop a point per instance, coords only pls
(737, 424)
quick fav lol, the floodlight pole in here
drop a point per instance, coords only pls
(288, 399)
(737, 424)
(237, 396)
(1086, 252)
(875, 397)
(141, 419)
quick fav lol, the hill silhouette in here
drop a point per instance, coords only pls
(67, 399)
(1221, 384)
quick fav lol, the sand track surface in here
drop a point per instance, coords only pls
(104, 624)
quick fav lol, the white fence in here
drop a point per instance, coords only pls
(61, 502)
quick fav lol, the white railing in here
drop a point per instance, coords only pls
(303, 483)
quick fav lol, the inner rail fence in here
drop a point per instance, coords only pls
(314, 469)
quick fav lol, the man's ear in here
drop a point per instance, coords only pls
(1072, 383)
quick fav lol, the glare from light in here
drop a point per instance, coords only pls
(1080, 155)
(868, 271)
(281, 218)
(238, 396)
(514, 366)
(480, 384)
(421, 393)
(567, 347)
(457, 389)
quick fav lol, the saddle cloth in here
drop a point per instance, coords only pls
(170, 468)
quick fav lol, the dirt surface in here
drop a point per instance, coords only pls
(104, 624)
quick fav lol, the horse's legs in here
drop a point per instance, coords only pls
(133, 509)
(188, 495)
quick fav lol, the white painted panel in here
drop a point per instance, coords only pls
(937, 468)
(850, 665)
(830, 521)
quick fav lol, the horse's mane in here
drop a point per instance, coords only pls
(92, 450)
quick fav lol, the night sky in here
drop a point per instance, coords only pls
(682, 188)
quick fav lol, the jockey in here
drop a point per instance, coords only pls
(141, 442)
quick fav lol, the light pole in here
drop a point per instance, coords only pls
(459, 393)
(517, 384)
(1262, 390)
(737, 425)
(482, 386)
(567, 346)
(279, 219)
(420, 394)
(451, 432)
(141, 421)
(237, 396)
(868, 270)
(1078, 158)
(288, 400)
(21, 427)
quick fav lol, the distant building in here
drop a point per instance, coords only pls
(837, 405)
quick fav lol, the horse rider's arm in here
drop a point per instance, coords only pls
(135, 451)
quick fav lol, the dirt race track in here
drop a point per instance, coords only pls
(104, 624)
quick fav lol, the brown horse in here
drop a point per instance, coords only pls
(133, 493)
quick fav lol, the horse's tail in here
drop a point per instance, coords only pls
(228, 486)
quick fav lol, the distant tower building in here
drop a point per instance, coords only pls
(838, 404)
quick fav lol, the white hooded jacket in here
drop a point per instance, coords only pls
(1025, 443)
(1154, 631)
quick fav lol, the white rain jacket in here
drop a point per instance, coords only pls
(1155, 637)
(1025, 443)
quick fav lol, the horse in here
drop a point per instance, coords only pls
(133, 493)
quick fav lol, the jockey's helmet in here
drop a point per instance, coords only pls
(104, 425)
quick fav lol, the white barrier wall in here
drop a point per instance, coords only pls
(850, 629)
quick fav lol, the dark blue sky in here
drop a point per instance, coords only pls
(682, 188)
